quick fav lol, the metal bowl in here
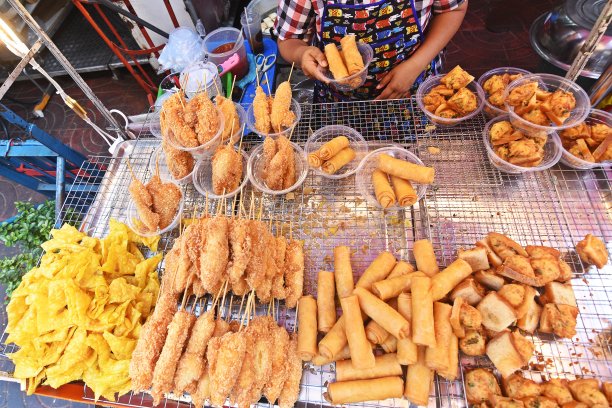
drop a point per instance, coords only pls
(558, 35)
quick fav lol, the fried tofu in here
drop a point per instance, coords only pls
(531, 318)
(587, 390)
(529, 295)
(468, 289)
(473, 343)
(463, 101)
(509, 351)
(566, 271)
(557, 390)
(503, 246)
(536, 116)
(457, 78)
(521, 95)
(480, 384)
(592, 251)
(489, 279)
(513, 294)
(545, 269)
(476, 257)
(517, 386)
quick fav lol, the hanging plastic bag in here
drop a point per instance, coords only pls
(184, 47)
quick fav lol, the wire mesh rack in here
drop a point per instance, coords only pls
(468, 199)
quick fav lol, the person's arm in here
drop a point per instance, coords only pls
(441, 30)
(307, 57)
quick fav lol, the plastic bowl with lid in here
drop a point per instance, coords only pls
(354, 81)
(434, 81)
(158, 159)
(202, 177)
(295, 107)
(256, 169)
(490, 110)
(327, 133)
(596, 116)
(552, 151)
(370, 163)
(550, 83)
(207, 148)
(133, 221)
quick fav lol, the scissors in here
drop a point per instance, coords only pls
(264, 63)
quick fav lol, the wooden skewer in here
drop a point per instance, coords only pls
(130, 168)
(193, 306)
(241, 138)
(290, 72)
(268, 83)
(232, 89)
(224, 286)
(260, 208)
(252, 206)
(217, 88)
(229, 314)
(185, 297)
(291, 134)
(229, 139)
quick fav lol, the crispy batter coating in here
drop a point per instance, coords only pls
(463, 101)
(180, 163)
(278, 281)
(291, 387)
(280, 348)
(277, 170)
(269, 150)
(231, 120)
(240, 254)
(255, 271)
(151, 340)
(456, 78)
(241, 392)
(294, 273)
(202, 391)
(171, 261)
(166, 198)
(163, 375)
(225, 366)
(261, 111)
(176, 121)
(264, 289)
(226, 169)
(183, 272)
(144, 203)
(281, 106)
(207, 124)
(215, 253)
(260, 327)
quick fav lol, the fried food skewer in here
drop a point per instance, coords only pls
(291, 388)
(226, 365)
(280, 348)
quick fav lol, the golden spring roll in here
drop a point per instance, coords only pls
(386, 366)
(333, 147)
(425, 257)
(453, 360)
(389, 345)
(422, 312)
(419, 378)
(334, 341)
(336, 64)
(406, 170)
(314, 159)
(377, 271)
(344, 354)
(326, 303)
(343, 271)
(346, 392)
(307, 328)
(404, 192)
(361, 350)
(437, 357)
(351, 55)
(338, 161)
(382, 189)
(406, 349)
(445, 281)
(401, 268)
(390, 288)
(375, 333)
(383, 314)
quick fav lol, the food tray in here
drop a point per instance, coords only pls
(469, 198)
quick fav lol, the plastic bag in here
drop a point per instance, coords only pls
(184, 47)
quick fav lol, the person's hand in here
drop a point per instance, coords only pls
(312, 58)
(398, 81)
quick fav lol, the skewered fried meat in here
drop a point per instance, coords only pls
(226, 169)
(215, 253)
(264, 289)
(240, 254)
(260, 327)
(207, 115)
(281, 106)
(163, 375)
(166, 198)
(291, 387)
(294, 273)
(261, 111)
(269, 150)
(151, 340)
(177, 121)
(277, 171)
(183, 271)
(144, 203)
(179, 163)
(202, 391)
(225, 365)
(278, 281)
(241, 394)
(290, 176)
(230, 116)
(255, 271)
(280, 340)
(171, 262)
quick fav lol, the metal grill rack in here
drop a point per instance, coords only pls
(468, 199)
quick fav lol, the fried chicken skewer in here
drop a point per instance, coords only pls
(291, 388)
(280, 349)
(294, 272)
(225, 356)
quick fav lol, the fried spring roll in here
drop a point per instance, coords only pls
(401, 268)
(419, 378)
(437, 357)
(445, 281)
(314, 159)
(389, 345)
(334, 59)
(375, 333)
(390, 288)
(406, 349)
(350, 53)
(361, 351)
(326, 303)
(383, 314)
(307, 328)
(346, 392)
(344, 157)
(377, 270)
(425, 257)
(343, 271)
(382, 189)
(453, 360)
(422, 312)
(405, 193)
(386, 366)
(334, 341)
(344, 354)
(406, 170)
(333, 147)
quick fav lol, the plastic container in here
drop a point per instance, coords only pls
(207, 148)
(595, 116)
(491, 111)
(347, 84)
(370, 163)
(200, 77)
(158, 159)
(133, 219)
(552, 152)
(250, 20)
(433, 81)
(154, 125)
(256, 166)
(222, 43)
(295, 107)
(551, 83)
(202, 177)
(327, 133)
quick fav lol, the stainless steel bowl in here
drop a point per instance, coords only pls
(558, 35)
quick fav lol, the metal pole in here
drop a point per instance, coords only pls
(29, 20)
(60, 185)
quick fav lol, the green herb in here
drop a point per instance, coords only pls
(471, 340)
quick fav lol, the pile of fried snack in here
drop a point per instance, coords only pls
(332, 155)
(401, 173)
(345, 62)
(451, 98)
(222, 253)
(539, 106)
(589, 142)
(517, 147)
(79, 314)
(273, 114)
(423, 318)
(482, 390)
(213, 359)
(156, 203)
(496, 85)
(279, 171)
(227, 169)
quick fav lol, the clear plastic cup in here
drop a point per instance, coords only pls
(207, 148)
(154, 125)
(551, 83)
(354, 81)
(202, 177)
(256, 165)
(133, 221)
(596, 116)
(200, 77)
(238, 126)
(552, 152)
(327, 133)
(250, 20)
(158, 159)
(222, 43)
(370, 163)
(433, 81)
(295, 107)
(490, 110)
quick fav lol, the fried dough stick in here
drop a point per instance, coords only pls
(291, 387)
(180, 163)
(215, 253)
(179, 120)
(260, 326)
(226, 169)
(144, 205)
(240, 254)
(163, 375)
(166, 198)
(255, 271)
(281, 106)
(280, 349)
(207, 124)
(225, 366)
(261, 111)
(278, 281)
(294, 273)
(191, 365)
(152, 339)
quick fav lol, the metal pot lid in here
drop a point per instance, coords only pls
(585, 12)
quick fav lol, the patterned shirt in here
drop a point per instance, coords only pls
(299, 18)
